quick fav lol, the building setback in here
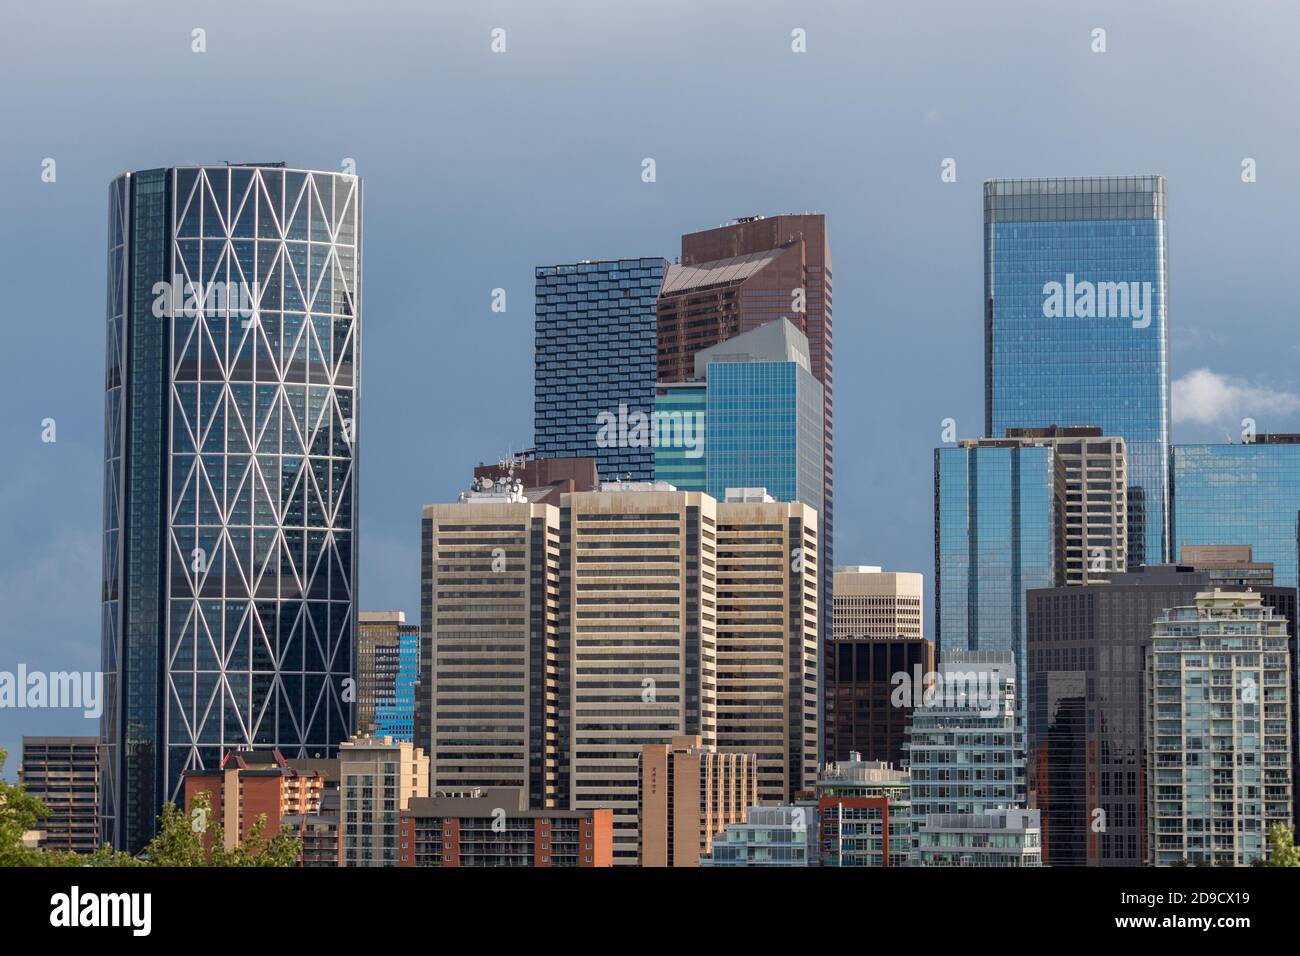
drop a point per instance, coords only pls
(688, 794)
(996, 838)
(63, 773)
(1075, 324)
(770, 836)
(1218, 719)
(229, 555)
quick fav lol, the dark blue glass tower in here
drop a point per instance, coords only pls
(233, 349)
(1075, 287)
(595, 355)
(1241, 494)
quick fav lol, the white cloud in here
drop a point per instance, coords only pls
(1203, 397)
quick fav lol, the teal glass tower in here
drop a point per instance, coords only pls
(998, 525)
(1075, 292)
(1241, 494)
(681, 410)
(229, 553)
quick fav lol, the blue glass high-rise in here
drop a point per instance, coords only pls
(233, 343)
(1095, 350)
(395, 716)
(998, 513)
(1240, 494)
(759, 413)
(764, 430)
(595, 355)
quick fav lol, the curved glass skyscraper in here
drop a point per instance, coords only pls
(230, 481)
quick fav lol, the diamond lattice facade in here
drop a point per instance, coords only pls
(229, 485)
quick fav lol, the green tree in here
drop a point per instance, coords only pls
(19, 812)
(1281, 846)
(180, 840)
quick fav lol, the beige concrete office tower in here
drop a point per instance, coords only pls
(377, 777)
(767, 638)
(63, 773)
(1218, 731)
(689, 794)
(870, 602)
(1096, 499)
(637, 616)
(488, 699)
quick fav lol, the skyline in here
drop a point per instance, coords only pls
(51, 493)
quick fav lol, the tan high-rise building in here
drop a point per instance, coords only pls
(767, 638)
(689, 794)
(488, 706)
(638, 617)
(870, 602)
(1096, 499)
(63, 772)
(378, 776)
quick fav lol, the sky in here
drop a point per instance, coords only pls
(478, 166)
